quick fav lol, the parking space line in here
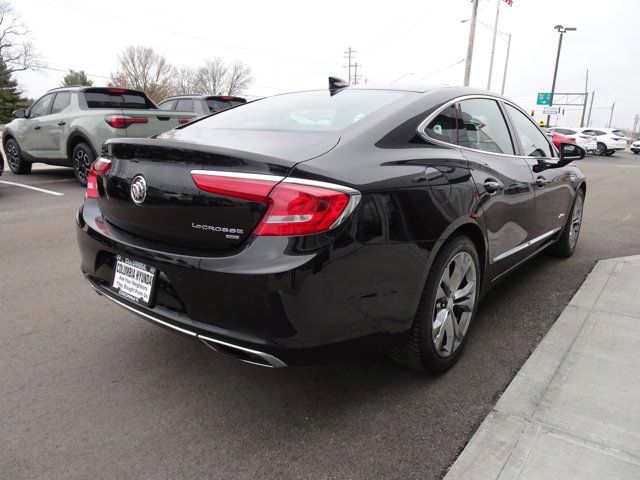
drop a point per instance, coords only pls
(50, 192)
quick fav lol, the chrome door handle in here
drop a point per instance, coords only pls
(61, 123)
(541, 182)
(491, 186)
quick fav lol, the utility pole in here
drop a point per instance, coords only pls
(349, 55)
(611, 116)
(593, 94)
(586, 95)
(493, 45)
(506, 64)
(472, 34)
(355, 73)
(561, 30)
(636, 119)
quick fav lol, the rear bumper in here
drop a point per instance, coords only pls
(276, 302)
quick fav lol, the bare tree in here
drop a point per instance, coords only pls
(16, 50)
(184, 81)
(143, 69)
(238, 79)
(211, 77)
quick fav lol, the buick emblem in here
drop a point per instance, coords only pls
(138, 189)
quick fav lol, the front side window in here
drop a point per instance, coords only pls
(62, 101)
(485, 127)
(444, 126)
(41, 107)
(168, 105)
(532, 140)
(314, 111)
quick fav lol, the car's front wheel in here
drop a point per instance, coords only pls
(17, 164)
(82, 159)
(566, 244)
(446, 309)
(602, 149)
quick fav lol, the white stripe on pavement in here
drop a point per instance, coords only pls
(50, 192)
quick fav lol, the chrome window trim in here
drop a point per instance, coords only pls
(249, 176)
(524, 245)
(421, 130)
(316, 183)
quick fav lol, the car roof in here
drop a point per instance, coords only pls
(201, 97)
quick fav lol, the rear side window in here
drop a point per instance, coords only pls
(619, 133)
(117, 98)
(185, 105)
(62, 101)
(168, 105)
(533, 141)
(565, 131)
(444, 127)
(485, 127)
(598, 132)
(219, 105)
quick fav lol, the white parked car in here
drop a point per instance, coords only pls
(609, 140)
(635, 147)
(582, 139)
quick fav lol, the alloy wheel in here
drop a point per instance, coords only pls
(82, 162)
(13, 158)
(576, 221)
(455, 300)
(602, 149)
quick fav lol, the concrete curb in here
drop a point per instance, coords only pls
(547, 423)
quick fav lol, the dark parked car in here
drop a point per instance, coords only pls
(201, 105)
(315, 225)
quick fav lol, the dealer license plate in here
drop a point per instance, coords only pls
(134, 280)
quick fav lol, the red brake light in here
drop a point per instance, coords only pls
(185, 120)
(293, 208)
(123, 121)
(227, 97)
(116, 90)
(98, 169)
(297, 209)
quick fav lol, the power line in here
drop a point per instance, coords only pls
(440, 71)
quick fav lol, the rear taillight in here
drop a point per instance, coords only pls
(185, 120)
(585, 137)
(123, 121)
(295, 207)
(98, 169)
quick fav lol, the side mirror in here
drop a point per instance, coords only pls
(570, 152)
(19, 113)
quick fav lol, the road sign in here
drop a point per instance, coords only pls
(551, 110)
(544, 98)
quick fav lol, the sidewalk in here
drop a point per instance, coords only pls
(573, 410)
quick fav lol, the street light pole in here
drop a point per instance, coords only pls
(561, 30)
(506, 64)
(472, 34)
(493, 45)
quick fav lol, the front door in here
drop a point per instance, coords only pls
(552, 186)
(503, 181)
(33, 141)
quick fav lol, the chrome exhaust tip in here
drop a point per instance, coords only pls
(243, 354)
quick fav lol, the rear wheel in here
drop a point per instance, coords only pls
(610, 152)
(566, 244)
(602, 149)
(17, 164)
(446, 310)
(82, 158)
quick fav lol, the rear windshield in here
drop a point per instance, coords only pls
(105, 98)
(219, 105)
(303, 111)
(619, 133)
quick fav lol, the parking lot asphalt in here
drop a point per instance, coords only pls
(89, 390)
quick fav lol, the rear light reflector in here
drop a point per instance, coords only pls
(295, 206)
(98, 169)
(123, 121)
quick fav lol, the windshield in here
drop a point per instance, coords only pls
(303, 111)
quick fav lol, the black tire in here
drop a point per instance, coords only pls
(601, 149)
(636, 153)
(566, 244)
(610, 152)
(419, 351)
(81, 159)
(17, 164)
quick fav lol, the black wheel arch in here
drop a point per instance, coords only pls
(74, 140)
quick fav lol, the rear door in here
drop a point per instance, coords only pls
(503, 180)
(552, 186)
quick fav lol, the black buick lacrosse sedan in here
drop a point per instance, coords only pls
(316, 225)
